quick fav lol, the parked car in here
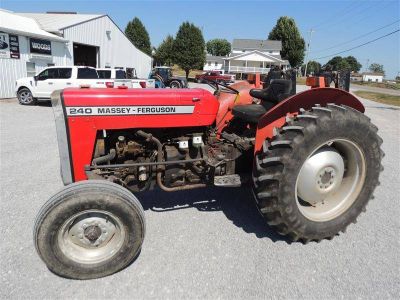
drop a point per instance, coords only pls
(126, 77)
(29, 90)
(215, 76)
(163, 78)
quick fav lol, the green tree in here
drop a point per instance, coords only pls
(138, 35)
(218, 47)
(334, 63)
(354, 64)
(189, 48)
(164, 54)
(376, 68)
(313, 67)
(343, 65)
(293, 44)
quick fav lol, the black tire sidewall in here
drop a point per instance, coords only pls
(175, 84)
(116, 203)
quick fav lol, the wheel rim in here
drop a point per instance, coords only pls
(91, 236)
(25, 97)
(330, 180)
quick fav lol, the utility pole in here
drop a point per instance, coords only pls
(366, 66)
(311, 31)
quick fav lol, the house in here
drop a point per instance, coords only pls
(214, 63)
(375, 77)
(249, 56)
(366, 77)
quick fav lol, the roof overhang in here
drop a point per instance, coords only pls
(243, 56)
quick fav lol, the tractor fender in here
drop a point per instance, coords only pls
(306, 100)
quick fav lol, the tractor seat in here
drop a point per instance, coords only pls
(250, 113)
(278, 90)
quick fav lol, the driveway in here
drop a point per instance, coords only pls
(200, 244)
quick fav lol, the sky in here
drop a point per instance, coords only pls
(337, 25)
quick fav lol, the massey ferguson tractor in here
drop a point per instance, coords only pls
(312, 160)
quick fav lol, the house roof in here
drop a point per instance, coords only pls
(55, 22)
(371, 73)
(253, 44)
(219, 59)
(268, 56)
(16, 24)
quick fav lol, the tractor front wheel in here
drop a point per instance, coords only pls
(89, 230)
(174, 84)
(316, 175)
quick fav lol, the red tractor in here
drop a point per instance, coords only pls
(312, 159)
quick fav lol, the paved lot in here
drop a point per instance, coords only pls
(200, 244)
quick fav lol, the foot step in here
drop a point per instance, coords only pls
(227, 180)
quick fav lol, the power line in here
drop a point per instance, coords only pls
(345, 12)
(355, 39)
(339, 13)
(369, 42)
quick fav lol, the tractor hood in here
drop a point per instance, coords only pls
(82, 114)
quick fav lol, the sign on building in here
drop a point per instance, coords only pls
(40, 46)
(4, 45)
(14, 46)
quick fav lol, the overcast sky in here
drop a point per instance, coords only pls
(338, 25)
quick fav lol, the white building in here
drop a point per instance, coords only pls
(30, 42)
(249, 56)
(366, 77)
(375, 77)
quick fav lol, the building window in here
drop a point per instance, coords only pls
(209, 63)
(261, 65)
(50, 65)
(216, 64)
(30, 69)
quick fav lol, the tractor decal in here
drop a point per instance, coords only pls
(128, 110)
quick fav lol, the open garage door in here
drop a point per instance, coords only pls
(85, 55)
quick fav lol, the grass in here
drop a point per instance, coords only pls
(378, 97)
(385, 85)
(179, 72)
(301, 80)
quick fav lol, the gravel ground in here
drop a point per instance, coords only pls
(208, 243)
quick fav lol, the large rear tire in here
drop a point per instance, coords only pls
(317, 174)
(89, 230)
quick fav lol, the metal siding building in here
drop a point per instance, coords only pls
(96, 37)
(114, 48)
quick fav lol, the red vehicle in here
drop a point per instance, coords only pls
(215, 76)
(312, 160)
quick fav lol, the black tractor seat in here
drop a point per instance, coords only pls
(278, 90)
(250, 113)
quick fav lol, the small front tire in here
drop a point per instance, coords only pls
(89, 229)
(175, 85)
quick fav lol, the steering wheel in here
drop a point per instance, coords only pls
(225, 88)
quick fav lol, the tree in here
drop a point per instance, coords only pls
(293, 44)
(189, 48)
(376, 68)
(338, 63)
(218, 47)
(138, 35)
(355, 66)
(164, 54)
(313, 67)
(334, 62)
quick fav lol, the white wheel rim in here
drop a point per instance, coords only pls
(25, 97)
(330, 180)
(91, 236)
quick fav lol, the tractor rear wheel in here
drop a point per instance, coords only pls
(316, 175)
(174, 84)
(89, 230)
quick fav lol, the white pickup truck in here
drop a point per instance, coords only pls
(29, 90)
(127, 78)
